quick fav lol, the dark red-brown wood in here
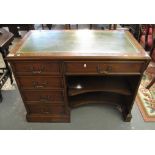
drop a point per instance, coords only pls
(44, 77)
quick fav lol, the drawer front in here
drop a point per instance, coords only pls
(43, 96)
(80, 67)
(46, 109)
(36, 67)
(36, 82)
(113, 67)
(119, 67)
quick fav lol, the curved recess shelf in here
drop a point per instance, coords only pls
(98, 97)
(80, 85)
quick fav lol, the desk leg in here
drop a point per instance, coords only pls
(10, 74)
(126, 113)
(127, 117)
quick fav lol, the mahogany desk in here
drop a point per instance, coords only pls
(59, 70)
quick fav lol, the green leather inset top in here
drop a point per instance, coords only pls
(78, 41)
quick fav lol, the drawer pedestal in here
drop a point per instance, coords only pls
(41, 84)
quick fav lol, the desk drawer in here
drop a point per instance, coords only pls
(38, 82)
(43, 96)
(36, 67)
(108, 67)
(46, 109)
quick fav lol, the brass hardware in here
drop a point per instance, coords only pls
(109, 68)
(106, 71)
(44, 99)
(39, 86)
(85, 65)
(34, 71)
(36, 85)
(46, 112)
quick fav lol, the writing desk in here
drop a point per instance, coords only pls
(59, 70)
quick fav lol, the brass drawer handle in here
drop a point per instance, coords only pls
(46, 112)
(106, 71)
(44, 99)
(34, 71)
(36, 85)
(39, 86)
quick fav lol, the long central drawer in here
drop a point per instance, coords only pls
(104, 67)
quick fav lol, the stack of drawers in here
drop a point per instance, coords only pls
(41, 84)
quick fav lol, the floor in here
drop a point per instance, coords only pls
(12, 116)
(90, 117)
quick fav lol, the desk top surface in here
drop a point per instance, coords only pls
(78, 43)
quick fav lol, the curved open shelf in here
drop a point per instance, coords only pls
(80, 85)
(98, 97)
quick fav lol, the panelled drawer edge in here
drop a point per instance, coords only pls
(43, 96)
(48, 109)
(37, 67)
(40, 82)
